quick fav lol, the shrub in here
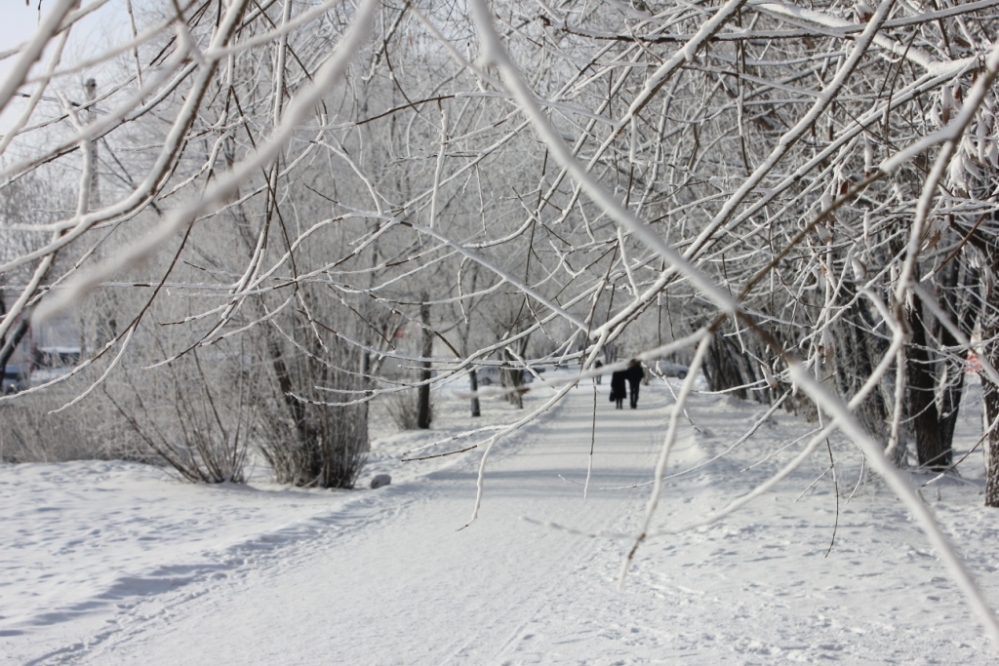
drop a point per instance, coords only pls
(197, 424)
(403, 408)
(33, 431)
(314, 426)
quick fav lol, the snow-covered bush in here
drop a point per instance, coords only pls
(313, 419)
(196, 422)
(404, 409)
(32, 432)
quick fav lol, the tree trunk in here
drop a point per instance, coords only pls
(9, 345)
(512, 375)
(964, 311)
(855, 361)
(423, 415)
(990, 392)
(991, 398)
(729, 367)
(473, 381)
(933, 446)
(722, 367)
(984, 304)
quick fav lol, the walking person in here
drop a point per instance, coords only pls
(618, 390)
(634, 376)
(598, 365)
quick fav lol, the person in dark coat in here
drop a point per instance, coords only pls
(634, 376)
(598, 365)
(618, 389)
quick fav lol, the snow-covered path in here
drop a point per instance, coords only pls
(388, 576)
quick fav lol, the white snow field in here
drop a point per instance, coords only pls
(116, 563)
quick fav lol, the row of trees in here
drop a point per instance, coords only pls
(761, 147)
(802, 202)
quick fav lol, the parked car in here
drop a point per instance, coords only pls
(51, 363)
(56, 357)
(487, 375)
(529, 376)
(670, 369)
(15, 379)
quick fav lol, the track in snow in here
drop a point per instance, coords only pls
(389, 577)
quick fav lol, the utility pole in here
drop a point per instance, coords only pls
(89, 116)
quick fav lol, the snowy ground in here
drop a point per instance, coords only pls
(114, 563)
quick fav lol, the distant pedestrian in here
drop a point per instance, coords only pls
(599, 365)
(634, 375)
(618, 389)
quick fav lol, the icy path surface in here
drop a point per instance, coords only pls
(115, 565)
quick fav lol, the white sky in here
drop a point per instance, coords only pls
(16, 25)
(18, 22)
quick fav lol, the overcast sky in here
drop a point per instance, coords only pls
(16, 25)
(18, 22)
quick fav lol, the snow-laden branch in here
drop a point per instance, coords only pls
(228, 183)
(793, 135)
(825, 26)
(981, 89)
(914, 55)
(493, 52)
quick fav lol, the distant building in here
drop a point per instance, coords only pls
(49, 349)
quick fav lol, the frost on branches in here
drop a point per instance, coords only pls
(351, 203)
